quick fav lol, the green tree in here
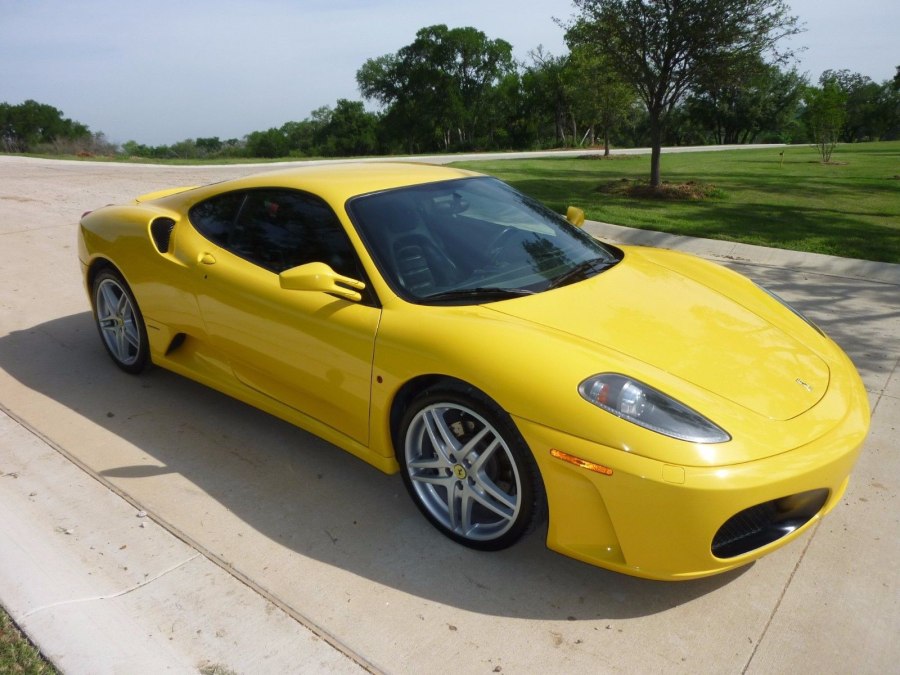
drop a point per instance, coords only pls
(303, 138)
(601, 98)
(349, 131)
(549, 94)
(25, 126)
(505, 118)
(270, 143)
(185, 149)
(209, 146)
(510, 118)
(439, 87)
(760, 99)
(665, 48)
(386, 80)
(132, 148)
(871, 108)
(824, 115)
(887, 125)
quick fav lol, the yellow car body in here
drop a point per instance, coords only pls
(346, 360)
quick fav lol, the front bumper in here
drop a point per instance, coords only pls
(656, 520)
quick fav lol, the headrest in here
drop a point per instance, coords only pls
(400, 217)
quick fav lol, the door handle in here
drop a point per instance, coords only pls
(206, 259)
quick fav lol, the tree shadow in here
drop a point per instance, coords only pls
(794, 228)
(863, 317)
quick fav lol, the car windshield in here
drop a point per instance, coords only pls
(473, 240)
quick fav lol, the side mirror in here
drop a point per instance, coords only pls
(575, 216)
(317, 276)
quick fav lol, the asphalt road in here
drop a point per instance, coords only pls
(152, 525)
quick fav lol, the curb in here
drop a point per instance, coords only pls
(867, 270)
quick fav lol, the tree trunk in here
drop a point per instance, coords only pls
(589, 132)
(560, 128)
(606, 140)
(655, 148)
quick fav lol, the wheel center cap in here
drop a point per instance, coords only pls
(460, 472)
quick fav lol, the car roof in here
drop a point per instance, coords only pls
(338, 182)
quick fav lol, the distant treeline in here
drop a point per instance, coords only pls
(454, 90)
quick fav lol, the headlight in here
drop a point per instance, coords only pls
(645, 406)
(777, 297)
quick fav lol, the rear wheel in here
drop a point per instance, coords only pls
(468, 469)
(119, 322)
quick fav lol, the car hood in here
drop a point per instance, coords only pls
(692, 323)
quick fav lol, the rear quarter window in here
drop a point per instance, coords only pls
(215, 217)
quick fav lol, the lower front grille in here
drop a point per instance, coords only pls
(767, 522)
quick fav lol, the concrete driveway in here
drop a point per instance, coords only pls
(152, 525)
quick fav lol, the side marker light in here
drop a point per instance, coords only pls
(582, 463)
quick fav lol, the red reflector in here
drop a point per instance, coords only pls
(583, 463)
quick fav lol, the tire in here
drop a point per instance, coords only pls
(468, 468)
(119, 322)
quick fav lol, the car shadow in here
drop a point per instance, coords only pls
(306, 495)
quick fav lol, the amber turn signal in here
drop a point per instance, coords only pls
(583, 463)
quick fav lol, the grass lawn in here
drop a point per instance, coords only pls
(849, 208)
(17, 654)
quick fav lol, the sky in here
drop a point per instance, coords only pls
(166, 71)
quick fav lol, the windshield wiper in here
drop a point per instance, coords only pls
(480, 292)
(582, 271)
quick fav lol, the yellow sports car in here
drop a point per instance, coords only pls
(664, 416)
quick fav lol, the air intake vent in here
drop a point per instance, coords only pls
(764, 523)
(161, 230)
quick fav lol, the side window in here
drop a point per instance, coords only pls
(280, 229)
(214, 217)
(277, 230)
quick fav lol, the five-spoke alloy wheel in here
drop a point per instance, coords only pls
(468, 469)
(120, 322)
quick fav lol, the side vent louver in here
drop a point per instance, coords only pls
(161, 231)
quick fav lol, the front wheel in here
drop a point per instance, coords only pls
(468, 469)
(119, 322)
